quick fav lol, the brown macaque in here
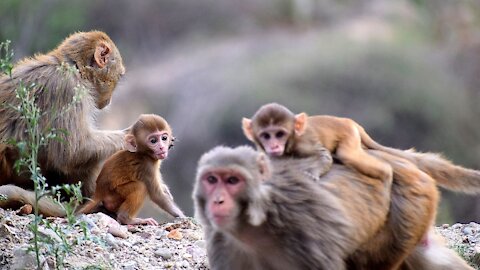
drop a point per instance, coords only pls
(299, 136)
(85, 67)
(256, 217)
(279, 132)
(128, 176)
(260, 217)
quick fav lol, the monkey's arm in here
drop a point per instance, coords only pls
(163, 199)
(313, 166)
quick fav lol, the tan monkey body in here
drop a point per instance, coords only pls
(86, 65)
(128, 176)
(279, 132)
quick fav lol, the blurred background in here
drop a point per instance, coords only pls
(406, 70)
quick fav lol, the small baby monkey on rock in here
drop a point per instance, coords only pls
(129, 175)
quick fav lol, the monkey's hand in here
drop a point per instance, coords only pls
(325, 160)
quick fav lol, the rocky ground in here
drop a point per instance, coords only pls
(174, 245)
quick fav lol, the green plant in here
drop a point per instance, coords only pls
(57, 244)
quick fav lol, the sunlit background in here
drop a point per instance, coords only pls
(407, 70)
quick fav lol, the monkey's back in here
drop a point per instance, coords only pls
(121, 168)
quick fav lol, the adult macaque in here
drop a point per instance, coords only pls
(86, 65)
(297, 136)
(130, 175)
(254, 220)
(278, 132)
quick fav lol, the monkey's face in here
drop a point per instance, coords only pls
(273, 140)
(223, 189)
(107, 74)
(158, 143)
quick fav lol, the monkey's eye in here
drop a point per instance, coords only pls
(164, 137)
(153, 140)
(265, 136)
(211, 179)
(279, 134)
(232, 180)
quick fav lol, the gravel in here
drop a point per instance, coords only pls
(175, 245)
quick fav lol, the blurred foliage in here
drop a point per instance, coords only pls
(407, 70)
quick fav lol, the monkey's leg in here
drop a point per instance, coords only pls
(414, 199)
(90, 207)
(134, 194)
(351, 153)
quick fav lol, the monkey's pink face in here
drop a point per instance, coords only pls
(222, 188)
(273, 140)
(159, 143)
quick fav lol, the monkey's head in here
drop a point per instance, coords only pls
(98, 60)
(273, 128)
(229, 190)
(150, 135)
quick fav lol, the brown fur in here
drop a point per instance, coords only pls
(341, 136)
(291, 222)
(129, 175)
(97, 66)
(445, 173)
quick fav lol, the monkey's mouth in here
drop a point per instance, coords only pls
(275, 153)
(161, 155)
(220, 220)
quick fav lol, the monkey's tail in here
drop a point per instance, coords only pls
(445, 173)
(46, 205)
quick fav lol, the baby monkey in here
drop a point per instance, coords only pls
(129, 175)
(280, 133)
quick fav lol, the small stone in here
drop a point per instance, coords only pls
(168, 264)
(467, 230)
(175, 234)
(130, 265)
(6, 231)
(118, 231)
(49, 233)
(145, 235)
(89, 222)
(133, 229)
(445, 226)
(457, 226)
(182, 264)
(111, 241)
(201, 244)
(193, 236)
(22, 259)
(164, 253)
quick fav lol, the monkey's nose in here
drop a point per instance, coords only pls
(219, 200)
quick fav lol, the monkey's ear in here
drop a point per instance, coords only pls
(300, 123)
(172, 143)
(101, 54)
(130, 143)
(264, 166)
(247, 129)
